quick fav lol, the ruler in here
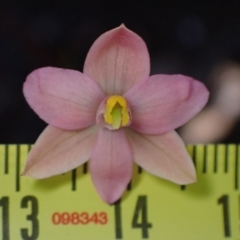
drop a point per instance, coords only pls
(68, 207)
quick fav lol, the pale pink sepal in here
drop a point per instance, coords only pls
(111, 164)
(117, 60)
(57, 151)
(164, 156)
(63, 98)
(162, 103)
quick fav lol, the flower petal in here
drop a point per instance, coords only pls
(164, 102)
(57, 151)
(163, 155)
(111, 164)
(63, 98)
(117, 60)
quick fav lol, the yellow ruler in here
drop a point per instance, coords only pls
(67, 207)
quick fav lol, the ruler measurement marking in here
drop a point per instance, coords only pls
(118, 219)
(215, 168)
(209, 155)
(224, 200)
(140, 217)
(4, 204)
(226, 158)
(17, 149)
(204, 170)
(129, 186)
(85, 168)
(6, 159)
(183, 187)
(74, 179)
(32, 217)
(29, 147)
(194, 156)
(237, 168)
(239, 209)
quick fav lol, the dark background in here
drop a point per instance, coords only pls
(185, 36)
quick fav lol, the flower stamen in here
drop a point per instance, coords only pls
(116, 112)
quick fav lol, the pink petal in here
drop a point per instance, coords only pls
(57, 151)
(163, 155)
(63, 98)
(164, 102)
(111, 164)
(117, 60)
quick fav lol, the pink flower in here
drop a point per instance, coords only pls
(113, 114)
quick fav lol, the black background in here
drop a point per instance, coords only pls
(185, 36)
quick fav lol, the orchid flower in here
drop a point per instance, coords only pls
(113, 113)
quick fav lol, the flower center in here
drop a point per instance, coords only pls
(116, 112)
